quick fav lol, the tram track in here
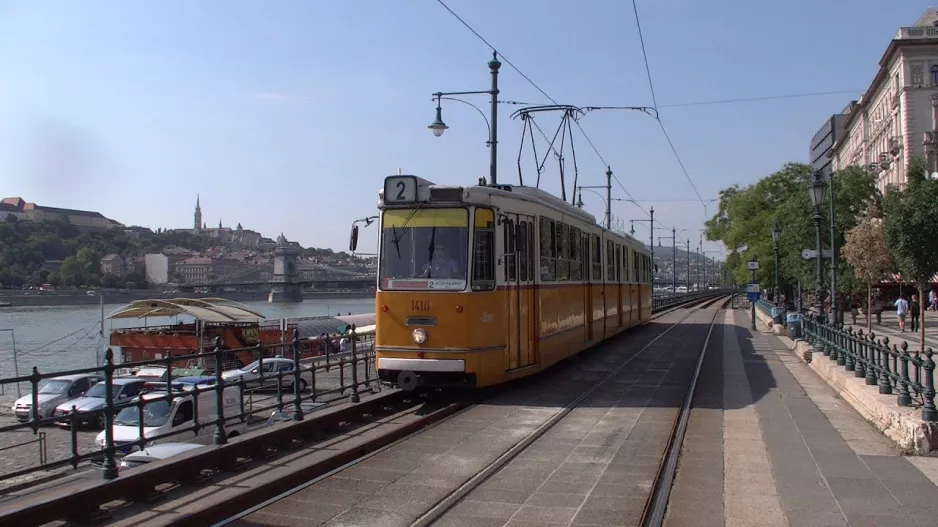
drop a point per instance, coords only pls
(656, 504)
(440, 507)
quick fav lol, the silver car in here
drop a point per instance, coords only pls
(253, 377)
(124, 389)
(53, 392)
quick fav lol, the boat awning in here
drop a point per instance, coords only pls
(313, 327)
(212, 310)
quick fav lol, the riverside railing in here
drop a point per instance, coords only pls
(321, 379)
(894, 369)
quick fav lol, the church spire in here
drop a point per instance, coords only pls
(198, 214)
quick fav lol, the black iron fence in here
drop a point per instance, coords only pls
(893, 368)
(170, 406)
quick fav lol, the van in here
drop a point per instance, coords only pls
(161, 417)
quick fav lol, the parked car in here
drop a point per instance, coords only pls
(53, 392)
(251, 374)
(151, 453)
(161, 417)
(124, 390)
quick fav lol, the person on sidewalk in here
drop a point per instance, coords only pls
(914, 312)
(902, 308)
(933, 300)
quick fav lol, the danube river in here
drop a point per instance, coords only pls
(55, 338)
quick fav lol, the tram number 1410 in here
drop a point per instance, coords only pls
(420, 305)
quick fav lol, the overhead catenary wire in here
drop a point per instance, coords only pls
(657, 115)
(542, 92)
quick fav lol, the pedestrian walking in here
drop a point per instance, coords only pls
(914, 312)
(902, 309)
(933, 300)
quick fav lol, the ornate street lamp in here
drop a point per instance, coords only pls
(817, 191)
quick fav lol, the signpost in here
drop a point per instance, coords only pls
(752, 291)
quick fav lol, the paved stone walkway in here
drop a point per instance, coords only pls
(793, 453)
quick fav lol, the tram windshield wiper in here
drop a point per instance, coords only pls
(396, 240)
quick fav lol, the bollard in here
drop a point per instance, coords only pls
(885, 387)
(297, 387)
(929, 412)
(110, 466)
(354, 398)
(219, 436)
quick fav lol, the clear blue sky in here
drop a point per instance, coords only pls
(285, 116)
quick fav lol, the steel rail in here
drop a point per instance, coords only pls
(657, 504)
(449, 501)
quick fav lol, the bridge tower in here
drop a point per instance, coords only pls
(285, 284)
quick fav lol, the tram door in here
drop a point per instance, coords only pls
(519, 277)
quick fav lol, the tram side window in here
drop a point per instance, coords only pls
(521, 244)
(511, 270)
(596, 258)
(584, 256)
(576, 267)
(483, 253)
(547, 242)
(563, 251)
(610, 261)
(635, 270)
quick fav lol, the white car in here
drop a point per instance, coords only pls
(151, 453)
(251, 374)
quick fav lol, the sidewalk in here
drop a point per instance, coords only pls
(793, 452)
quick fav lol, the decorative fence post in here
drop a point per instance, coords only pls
(850, 360)
(219, 436)
(354, 398)
(110, 466)
(929, 412)
(885, 387)
(904, 398)
(297, 376)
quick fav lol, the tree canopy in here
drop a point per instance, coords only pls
(911, 225)
(746, 216)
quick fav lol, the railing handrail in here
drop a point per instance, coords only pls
(882, 363)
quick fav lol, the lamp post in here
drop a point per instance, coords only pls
(673, 257)
(816, 191)
(776, 235)
(608, 196)
(687, 279)
(834, 301)
(438, 126)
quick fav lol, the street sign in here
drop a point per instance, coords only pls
(811, 254)
(753, 297)
(752, 265)
(752, 288)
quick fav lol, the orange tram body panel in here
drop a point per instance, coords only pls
(481, 285)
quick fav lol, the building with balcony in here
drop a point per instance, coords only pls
(884, 129)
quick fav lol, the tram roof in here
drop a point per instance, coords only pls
(214, 310)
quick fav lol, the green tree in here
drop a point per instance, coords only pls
(911, 230)
(746, 215)
(866, 251)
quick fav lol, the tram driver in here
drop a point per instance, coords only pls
(441, 264)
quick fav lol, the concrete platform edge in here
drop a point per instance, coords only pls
(903, 425)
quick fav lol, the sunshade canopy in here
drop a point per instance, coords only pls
(213, 310)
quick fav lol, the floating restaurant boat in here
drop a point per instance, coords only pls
(238, 326)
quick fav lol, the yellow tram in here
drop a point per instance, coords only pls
(480, 285)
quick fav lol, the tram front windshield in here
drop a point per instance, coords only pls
(424, 249)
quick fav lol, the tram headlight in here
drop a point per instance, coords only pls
(419, 335)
